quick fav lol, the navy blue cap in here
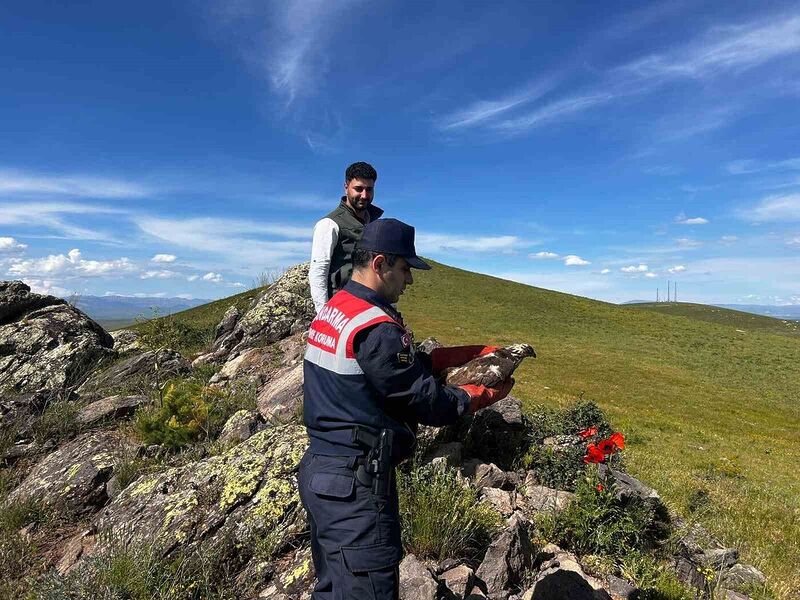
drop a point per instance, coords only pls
(390, 236)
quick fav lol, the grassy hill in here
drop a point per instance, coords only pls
(708, 398)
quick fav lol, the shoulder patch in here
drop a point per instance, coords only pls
(407, 339)
(405, 358)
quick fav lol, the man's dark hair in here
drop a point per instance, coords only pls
(362, 258)
(360, 170)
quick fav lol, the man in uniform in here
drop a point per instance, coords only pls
(335, 235)
(366, 389)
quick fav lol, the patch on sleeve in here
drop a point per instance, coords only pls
(407, 338)
(405, 358)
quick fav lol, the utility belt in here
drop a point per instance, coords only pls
(375, 469)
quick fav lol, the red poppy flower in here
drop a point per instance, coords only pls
(593, 455)
(600, 487)
(606, 446)
(587, 433)
(618, 439)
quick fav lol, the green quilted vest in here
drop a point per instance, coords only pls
(350, 229)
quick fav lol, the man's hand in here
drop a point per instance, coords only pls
(455, 356)
(481, 396)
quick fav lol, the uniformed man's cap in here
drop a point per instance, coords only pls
(390, 236)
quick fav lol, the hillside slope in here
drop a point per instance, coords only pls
(709, 404)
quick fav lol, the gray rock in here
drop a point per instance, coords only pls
(110, 408)
(489, 475)
(140, 372)
(73, 478)
(500, 500)
(232, 498)
(294, 580)
(416, 581)
(562, 577)
(734, 595)
(742, 576)
(240, 426)
(126, 340)
(458, 580)
(283, 309)
(719, 558)
(619, 588)
(494, 434)
(446, 455)
(628, 485)
(44, 342)
(688, 573)
(507, 558)
(281, 399)
(544, 499)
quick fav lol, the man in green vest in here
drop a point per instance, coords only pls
(336, 234)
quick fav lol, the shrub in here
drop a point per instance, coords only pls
(168, 332)
(17, 550)
(138, 573)
(559, 468)
(190, 412)
(57, 422)
(654, 580)
(599, 522)
(441, 516)
(546, 422)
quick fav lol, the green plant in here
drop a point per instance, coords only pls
(441, 515)
(546, 422)
(190, 412)
(556, 467)
(168, 332)
(57, 422)
(600, 521)
(18, 551)
(654, 580)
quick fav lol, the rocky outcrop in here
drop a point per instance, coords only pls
(110, 409)
(281, 399)
(233, 498)
(561, 577)
(416, 581)
(507, 559)
(240, 426)
(141, 373)
(126, 340)
(285, 308)
(73, 478)
(44, 342)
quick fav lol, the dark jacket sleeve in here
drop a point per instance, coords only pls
(400, 376)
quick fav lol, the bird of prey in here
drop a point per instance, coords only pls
(491, 369)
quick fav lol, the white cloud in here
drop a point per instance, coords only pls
(9, 244)
(573, 260)
(193, 277)
(729, 239)
(774, 209)
(70, 265)
(212, 277)
(688, 243)
(13, 182)
(747, 166)
(795, 241)
(650, 274)
(682, 219)
(160, 274)
(635, 269)
(163, 258)
(442, 242)
(240, 242)
(730, 49)
(238, 284)
(47, 286)
(605, 271)
(55, 216)
(676, 269)
(543, 255)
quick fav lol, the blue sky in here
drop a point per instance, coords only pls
(600, 149)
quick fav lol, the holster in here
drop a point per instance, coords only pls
(375, 470)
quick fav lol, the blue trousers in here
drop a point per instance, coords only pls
(355, 535)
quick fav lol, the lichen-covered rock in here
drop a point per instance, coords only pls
(44, 342)
(73, 478)
(241, 425)
(494, 434)
(562, 577)
(281, 399)
(458, 581)
(544, 499)
(285, 308)
(741, 576)
(110, 408)
(140, 372)
(293, 577)
(502, 501)
(126, 340)
(416, 581)
(507, 559)
(230, 500)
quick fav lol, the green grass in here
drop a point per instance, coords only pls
(200, 322)
(711, 414)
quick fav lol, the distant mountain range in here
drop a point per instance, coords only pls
(125, 308)
(791, 311)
